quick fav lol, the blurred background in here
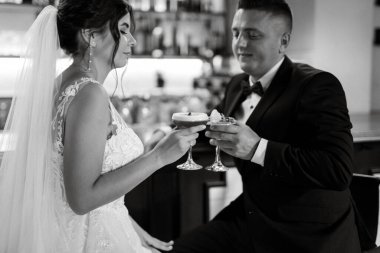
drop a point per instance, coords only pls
(183, 61)
(183, 58)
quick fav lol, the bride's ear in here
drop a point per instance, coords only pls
(88, 36)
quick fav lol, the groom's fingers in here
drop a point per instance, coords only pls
(220, 136)
(233, 129)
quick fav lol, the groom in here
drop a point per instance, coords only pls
(292, 147)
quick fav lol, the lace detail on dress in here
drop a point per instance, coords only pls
(63, 102)
(107, 228)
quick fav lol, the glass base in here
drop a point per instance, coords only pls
(189, 165)
(217, 167)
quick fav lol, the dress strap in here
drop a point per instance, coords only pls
(62, 104)
(68, 94)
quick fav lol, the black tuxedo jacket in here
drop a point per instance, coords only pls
(299, 201)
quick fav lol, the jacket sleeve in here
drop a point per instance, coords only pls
(322, 155)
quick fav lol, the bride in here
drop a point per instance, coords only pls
(72, 158)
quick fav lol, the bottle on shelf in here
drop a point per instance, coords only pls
(14, 1)
(139, 35)
(182, 5)
(152, 5)
(187, 28)
(217, 6)
(195, 6)
(40, 2)
(145, 5)
(160, 5)
(184, 44)
(206, 6)
(136, 4)
(158, 39)
(175, 50)
(171, 5)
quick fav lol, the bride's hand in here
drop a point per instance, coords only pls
(149, 241)
(175, 144)
(154, 244)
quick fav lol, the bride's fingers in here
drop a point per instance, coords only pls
(191, 130)
(166, 246)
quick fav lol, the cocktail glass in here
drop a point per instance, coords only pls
(218, 166)
(185, 120)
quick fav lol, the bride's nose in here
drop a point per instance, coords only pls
(131, 41)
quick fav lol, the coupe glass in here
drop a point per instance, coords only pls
(185, 120)
(218, 166)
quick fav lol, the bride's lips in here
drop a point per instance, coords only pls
(245, 55)
(127, 53)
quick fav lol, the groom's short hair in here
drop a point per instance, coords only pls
(275, 7)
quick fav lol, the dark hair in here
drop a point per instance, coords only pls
(74, 15)
(275, 7)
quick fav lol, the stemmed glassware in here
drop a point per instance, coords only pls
(185, 120)
(218, 166)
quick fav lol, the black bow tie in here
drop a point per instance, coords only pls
(255, 88)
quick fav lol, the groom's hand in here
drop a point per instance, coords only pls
(237, 140)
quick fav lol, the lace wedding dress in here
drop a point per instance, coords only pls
(107, 228)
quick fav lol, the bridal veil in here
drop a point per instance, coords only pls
(28, 220)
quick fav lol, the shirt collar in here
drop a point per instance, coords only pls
(266, 79)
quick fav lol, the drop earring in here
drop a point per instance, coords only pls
(90, 53)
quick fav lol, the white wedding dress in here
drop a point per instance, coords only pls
(107, 228)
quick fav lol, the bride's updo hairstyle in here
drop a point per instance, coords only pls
(74, 15)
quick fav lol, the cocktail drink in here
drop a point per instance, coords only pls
(185, 120)
(189, 119)
(218, 166)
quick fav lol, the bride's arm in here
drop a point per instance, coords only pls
(84, 143)
(148, 241)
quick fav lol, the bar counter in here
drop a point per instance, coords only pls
(366, 127)
(366, 135)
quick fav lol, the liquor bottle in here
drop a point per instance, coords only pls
(196, 5)
(139, 35)
(160, 5)
(148, 34)
(145, 5)
(175, 46)
(151, 5)
(158, 38)
(206, 5)
(136, 4)
(15, 1)
(182, 5)
(172, 5)
(217, 6)
(40, 2)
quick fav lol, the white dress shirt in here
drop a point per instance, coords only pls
(249, 105)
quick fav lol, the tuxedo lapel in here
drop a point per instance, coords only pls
(278, 84)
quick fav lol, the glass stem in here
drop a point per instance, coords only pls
(217, 156)
(189, 154)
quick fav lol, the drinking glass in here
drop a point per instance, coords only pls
(185, 120)
(218, 166)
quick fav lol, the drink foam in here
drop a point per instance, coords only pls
(190, 117)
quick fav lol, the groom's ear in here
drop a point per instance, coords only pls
(284, 43)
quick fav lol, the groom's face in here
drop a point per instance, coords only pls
(257, 40)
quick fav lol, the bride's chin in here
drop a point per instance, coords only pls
(121, 64)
